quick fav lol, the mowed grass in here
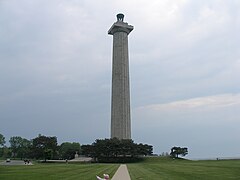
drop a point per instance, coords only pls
(57, 171)
(155, 168)
(166, 168)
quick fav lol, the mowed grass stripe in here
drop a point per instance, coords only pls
(72, 172)
(166, 168)
(142, 172)
(207, 169)
(108, 170)
(150, 169)
(57, 171)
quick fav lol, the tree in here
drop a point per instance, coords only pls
(44, 147)
(68, 150)
(2, 140)
(116, 150)
(5, 152)
(20, 147)
(24, 150)
(176, 151)
(48, 154)
(87, 150)
(144, 149)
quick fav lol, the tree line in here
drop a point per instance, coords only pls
(102, 150)
(116, 150)
(46, 147)
(41, 147)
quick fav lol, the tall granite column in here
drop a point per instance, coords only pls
(120, 109)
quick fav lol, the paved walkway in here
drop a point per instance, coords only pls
(13, 163)
(122, 173)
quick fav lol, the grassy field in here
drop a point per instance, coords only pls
(166, 168)
(149, 169)
(57, 171)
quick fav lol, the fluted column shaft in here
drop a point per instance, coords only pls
(120, 107)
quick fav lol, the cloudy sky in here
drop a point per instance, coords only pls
(55, 71)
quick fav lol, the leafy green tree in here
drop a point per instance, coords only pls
(144, 149)
(176, 151)
(129, 148)
(87, 150)
(20, 147)
(48, 154)
(25, 149)
(116, 150)
(2, 140)
(6, 152)
(43, 145)
(15, 144)
(68, 150)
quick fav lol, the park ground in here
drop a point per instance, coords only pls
(155, 168)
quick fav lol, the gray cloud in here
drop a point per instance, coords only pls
(55, 69)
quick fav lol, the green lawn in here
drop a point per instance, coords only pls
(150, 169)
(57, 171)
(166, 168)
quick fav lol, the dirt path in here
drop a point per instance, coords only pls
(122, 173)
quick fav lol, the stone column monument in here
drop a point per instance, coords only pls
(120, 110)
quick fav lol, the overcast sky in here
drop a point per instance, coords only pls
(55, 72)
